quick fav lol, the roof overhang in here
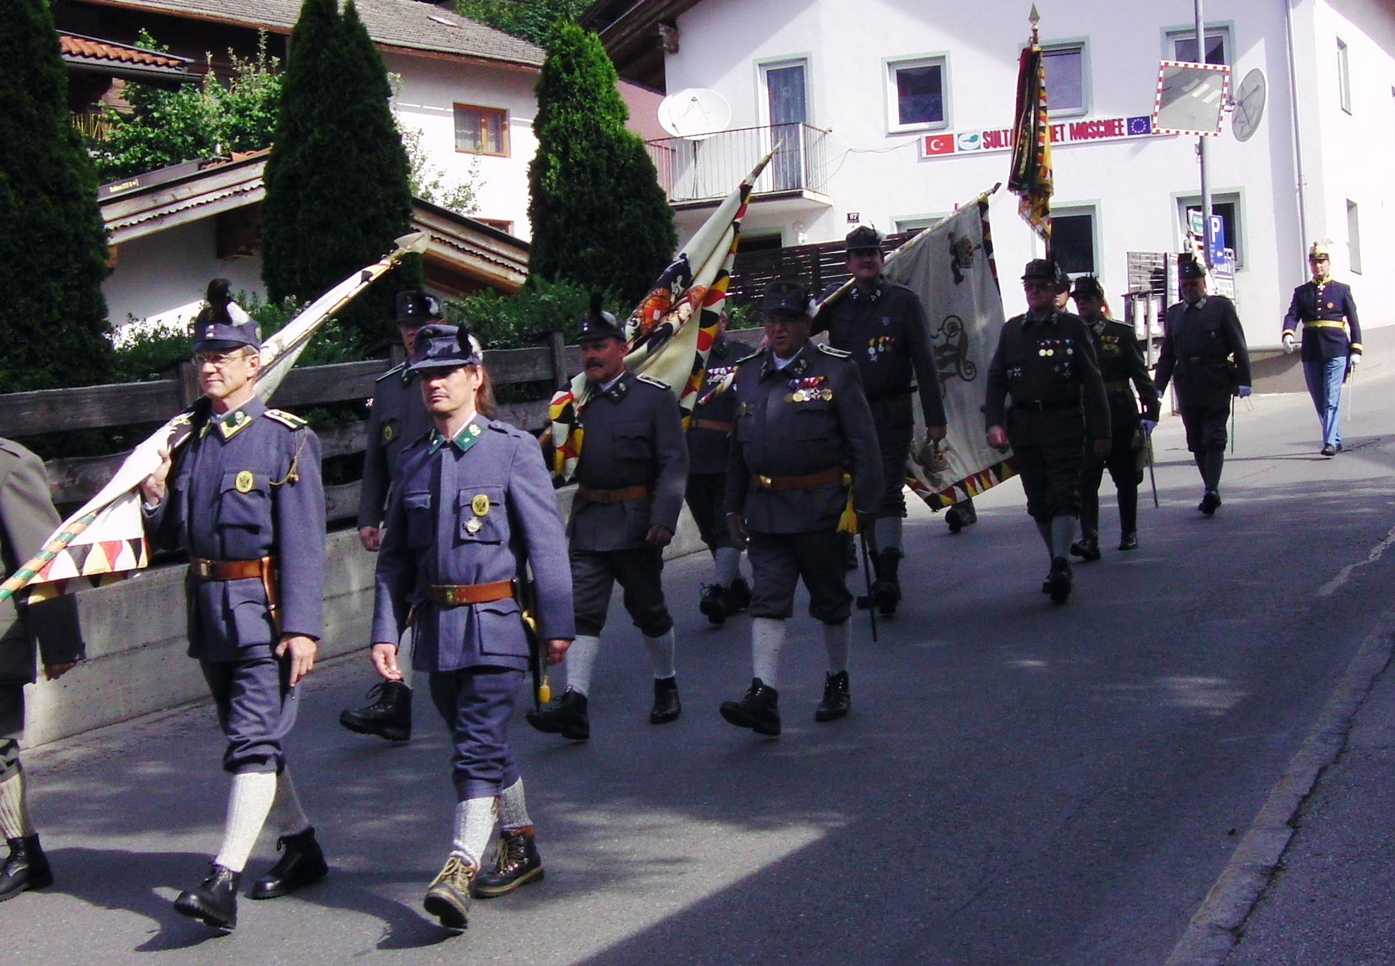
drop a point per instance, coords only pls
(630, 32)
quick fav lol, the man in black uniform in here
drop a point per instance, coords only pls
(882, 326)
(1204, 346)
(1326, 309)
(631, 477)
(1046, 362)
(397, 418)
(27, 517)
(803, 424)
(709, 442)
(1121, 362)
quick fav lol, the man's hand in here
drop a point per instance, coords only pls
(557, 651)
(737, 528)
(1353, 359)
(371, 538)
(152, 488)
(997, 437)
(935, 433)
(55, 671)
(658, 536)
(1102, 447)
(1288, 343)
(302, 654)
(1243, 391)
(385, 662)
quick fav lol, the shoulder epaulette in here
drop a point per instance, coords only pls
(394, 371)
(506, 428)
(290, 420)
(748, 357)
(657, 383)
(828, 350)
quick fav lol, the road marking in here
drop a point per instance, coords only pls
(1343, 575)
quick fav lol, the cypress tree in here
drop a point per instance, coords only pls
(336, 182)
(598, 215)
(52, 240)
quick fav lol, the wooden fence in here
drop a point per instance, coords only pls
(821, 267)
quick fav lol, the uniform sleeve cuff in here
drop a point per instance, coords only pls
(1355, 347)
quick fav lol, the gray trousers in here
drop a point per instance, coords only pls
(477, 705)
(11, 726)
(256, 710)
(779, 560)
(640, 572)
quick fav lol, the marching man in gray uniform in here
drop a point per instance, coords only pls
(631, 478)
(473, 508)
(396, 419)
(246, 503)
(802, 426)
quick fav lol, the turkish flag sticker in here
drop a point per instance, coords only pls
(939, 144)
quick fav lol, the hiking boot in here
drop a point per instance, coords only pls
(1128, 541)
(516, 864)
(837, 700)
(214, 900)
(388, 713)
(1087, 549)
(758, 709)
(1059, 580)
(301, 863)
(667, 707)
(566, 716)
(448, 896)
(1210, 501)
(26, 868)
(712, 603)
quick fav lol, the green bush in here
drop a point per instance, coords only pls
(533, 20)
(514, 321)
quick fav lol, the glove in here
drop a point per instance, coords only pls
(1243, 392)
(1353, 359)
(1148, 426)
(1288, 343)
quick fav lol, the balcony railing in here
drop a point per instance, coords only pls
(707, 170)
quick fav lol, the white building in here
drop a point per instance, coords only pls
(892, 112)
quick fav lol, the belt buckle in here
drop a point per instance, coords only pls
(203, 569)
(453, 596)
(765, 481)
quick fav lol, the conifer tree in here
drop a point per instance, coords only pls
(52, 240)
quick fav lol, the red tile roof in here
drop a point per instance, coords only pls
(91, 50)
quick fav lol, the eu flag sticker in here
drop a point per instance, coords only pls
(1140, 125)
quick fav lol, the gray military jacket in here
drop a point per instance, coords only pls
(473, 510)
(633, 436)
(398, 417)
(27, 518)
(808, 417)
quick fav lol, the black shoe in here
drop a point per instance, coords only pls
(566, 716)
(1087, 549)
(1128, 541)
(712, 603)
(886, 590)
(517, 864)
(448, 897)
(759, 710)
(954, 520)
(667, 707)
(837, 701)
(301, 863)
(1329, 450)
(214, 900)
(388, 713)
(26, 868)
(1059, 580)
(738, 596)
(1209, 502)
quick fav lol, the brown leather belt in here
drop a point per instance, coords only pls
(807, 482)
(231, 569)
(459, 595)
(716, 425)
(626, 494)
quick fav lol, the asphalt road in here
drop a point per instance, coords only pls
(1018, 782)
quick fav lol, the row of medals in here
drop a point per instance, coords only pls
(810, 395)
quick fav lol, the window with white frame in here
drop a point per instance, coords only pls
(1073, 240)
(1343, 76)
(1353, 238)
(1065, 78)
(1181, 45)
(916, 94)
(1227, 206)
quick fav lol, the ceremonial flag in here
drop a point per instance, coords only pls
(670, 333)
(1030, 178)
(106, 537)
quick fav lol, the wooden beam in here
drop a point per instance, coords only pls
(87, 407)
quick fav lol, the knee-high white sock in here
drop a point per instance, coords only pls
(249, 801)
(661, 654)
(887, 530)
(513, 808)
(581, 658)
(767, 639)
(1062, 535)
(14, 808)
(474, 822)
(836, 638)
(287, 817)
(728, 565)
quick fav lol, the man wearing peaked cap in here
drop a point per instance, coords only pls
(1331, 341)
(471, 512)
(631, 479)
(397, 419)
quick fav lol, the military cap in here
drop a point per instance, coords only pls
(415, 307)
(441, 346)
(1045, 270)
(1089, 287)
(597, 323)
(222, 324)
(862, 238)
(1319, 250)
(1189, 267)
(786, 298)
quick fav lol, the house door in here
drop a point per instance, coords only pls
(787, 102)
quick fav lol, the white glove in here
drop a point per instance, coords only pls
(1148, 426)
(1288, 343)
(1353, 359)
(1243, 391)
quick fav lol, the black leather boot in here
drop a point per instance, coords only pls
(887, 589)
(667, 707)
(388, 713)
(712, 603)
(738, 596)
(26, 868)
(758, 710)
(448, 897)
(1059, 580)
(566, 716)
(1087, 548)
(214, 900)
(517, 864)
(837, 699)
(301, 863)
(1128, 540)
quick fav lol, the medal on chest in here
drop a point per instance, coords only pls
(809, 389)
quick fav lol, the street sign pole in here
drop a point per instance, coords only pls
(1201, 143)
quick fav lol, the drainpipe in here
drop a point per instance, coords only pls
(1297, 141)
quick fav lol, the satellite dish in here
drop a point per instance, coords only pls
(694, 113)
(1190, 98)
(1249, 105)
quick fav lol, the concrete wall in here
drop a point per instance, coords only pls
(136, 644)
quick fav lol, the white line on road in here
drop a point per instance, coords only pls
(1333, 585)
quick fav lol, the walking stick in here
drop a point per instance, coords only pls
(867, 579)
(1152, 476)
(1232, 425)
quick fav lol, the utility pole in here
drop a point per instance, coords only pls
(1201, 146)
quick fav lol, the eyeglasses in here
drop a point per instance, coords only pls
(218, 360)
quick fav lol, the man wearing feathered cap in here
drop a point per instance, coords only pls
(1331, 341)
